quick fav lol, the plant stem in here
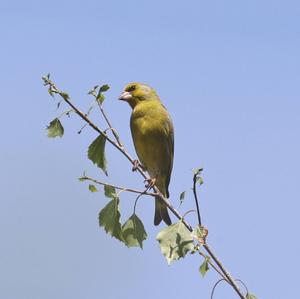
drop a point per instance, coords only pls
(213, 266)
(196, 198)
(224, 271)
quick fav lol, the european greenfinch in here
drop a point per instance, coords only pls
(153, 137)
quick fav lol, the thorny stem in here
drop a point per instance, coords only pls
(65, 97)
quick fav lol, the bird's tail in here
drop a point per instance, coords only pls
(161, 212)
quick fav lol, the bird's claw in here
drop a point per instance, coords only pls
(150, 183)
(136, 165)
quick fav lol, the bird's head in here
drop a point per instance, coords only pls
(134, 93)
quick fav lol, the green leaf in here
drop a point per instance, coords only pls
(250, 296)
(204, 267)
(92, 188)
(64, 95)
(198, 174)
(175, 241)
(50, 91)
(182, 196)
(96, 153)
(104, 88)
(93, 91)
(109, 219)
(110, 192)
(200, 181)
(55, 129)
(100, 98)
(195, 249)
(133, 232)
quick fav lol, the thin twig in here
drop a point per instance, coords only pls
(188, 212)
(224, 271)
(196, 198)
(227, 275)
(139, 196)
(67, 112)
(244, 285)
(140, 192)
(214, 288)
(110, 126)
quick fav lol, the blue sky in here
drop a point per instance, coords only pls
(228, 71)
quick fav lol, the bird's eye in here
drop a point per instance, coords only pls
(131, 88)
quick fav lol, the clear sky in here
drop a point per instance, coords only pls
(228, 71)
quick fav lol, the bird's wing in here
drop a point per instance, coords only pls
(170, 146)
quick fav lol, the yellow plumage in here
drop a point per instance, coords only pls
(153, 137)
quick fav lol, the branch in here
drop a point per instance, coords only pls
(110, 126)
(86, 178)
(65, 97)
(225, 272)
(195, 195)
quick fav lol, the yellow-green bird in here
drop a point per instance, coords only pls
(153, 137)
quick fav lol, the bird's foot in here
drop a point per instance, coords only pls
(149, 183)
(136, 165)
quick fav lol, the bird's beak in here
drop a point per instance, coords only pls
(125, 96)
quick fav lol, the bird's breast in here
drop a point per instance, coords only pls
(150, 143)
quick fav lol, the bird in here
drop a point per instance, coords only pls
(153, 137)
